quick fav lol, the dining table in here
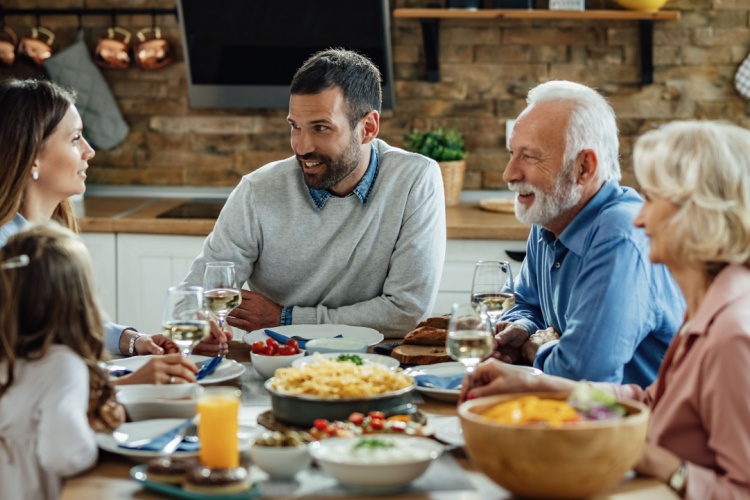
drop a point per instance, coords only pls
(110, 477)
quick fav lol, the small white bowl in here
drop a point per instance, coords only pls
(329, 345)
(267, 365)
(147, 401)
(281, 462)
(394, 468)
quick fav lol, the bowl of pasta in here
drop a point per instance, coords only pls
(538, 445)
(334, 390)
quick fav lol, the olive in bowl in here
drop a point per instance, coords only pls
(281, 455)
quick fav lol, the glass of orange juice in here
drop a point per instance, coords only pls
(218, 409)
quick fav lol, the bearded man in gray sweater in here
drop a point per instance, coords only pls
(349, 230)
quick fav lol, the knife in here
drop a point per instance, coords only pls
(173, 443)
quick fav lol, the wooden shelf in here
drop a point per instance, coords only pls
(430, 19)
(614, 15)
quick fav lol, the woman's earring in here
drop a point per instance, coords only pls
(35, 175)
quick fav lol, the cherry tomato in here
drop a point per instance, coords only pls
(272, 350)
(286, 350)
(293, 343)
(377, 414)
(377, 423)
(259, 347)
(320, 423)
(271, 342)
(397, 425)
(357, 418)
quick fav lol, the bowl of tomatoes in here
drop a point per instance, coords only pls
(267, 356)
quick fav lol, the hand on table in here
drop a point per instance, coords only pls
(510, 337)
(255, 312)
(537, 340)
(217, 343)
(495, 377)
(166, 369)
(157, 343)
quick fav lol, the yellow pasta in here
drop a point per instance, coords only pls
(331, 379)
(531, 409)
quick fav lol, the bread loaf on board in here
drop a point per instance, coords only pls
(436, 322)
(420, 354)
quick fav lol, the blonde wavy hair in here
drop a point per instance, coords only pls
(703, 167)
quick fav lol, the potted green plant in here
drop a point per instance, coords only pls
(445, 146)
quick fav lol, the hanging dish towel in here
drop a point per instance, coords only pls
(72, 68)
(742, 78)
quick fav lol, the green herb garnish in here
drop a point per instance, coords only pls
(350, 357)
(374, 444)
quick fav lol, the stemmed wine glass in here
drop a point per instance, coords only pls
(493, 287)
(469, 336)
(185, 319)
(221, 291)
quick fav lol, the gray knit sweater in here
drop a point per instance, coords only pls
(376, 265)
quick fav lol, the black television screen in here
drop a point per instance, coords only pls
(243, 53)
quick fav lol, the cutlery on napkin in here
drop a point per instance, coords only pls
(208, 367)
(283, 339)
(451, 382)
(167, 442)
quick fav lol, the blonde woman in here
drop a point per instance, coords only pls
(696, 183)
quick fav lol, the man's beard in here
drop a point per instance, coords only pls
(335, 170)
(547, 206)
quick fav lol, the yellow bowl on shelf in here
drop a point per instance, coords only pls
(642, 5)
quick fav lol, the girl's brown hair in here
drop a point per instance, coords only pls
(48, 301)
(30, 110)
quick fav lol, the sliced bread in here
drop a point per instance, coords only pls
(419, 354)
(426, 335)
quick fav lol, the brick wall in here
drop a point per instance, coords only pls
(486, 68)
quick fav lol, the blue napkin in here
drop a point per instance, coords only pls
(208, 367)
(450, 382)
(159, 442)
(283, 339)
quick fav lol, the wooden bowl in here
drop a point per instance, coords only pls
(574, 461)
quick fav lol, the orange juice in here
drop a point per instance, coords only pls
(218, 408)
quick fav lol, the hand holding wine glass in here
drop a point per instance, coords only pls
(469, 336)
(493, 286)
(185, 319)
(221, 291)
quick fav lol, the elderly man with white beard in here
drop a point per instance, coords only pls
(589, 304)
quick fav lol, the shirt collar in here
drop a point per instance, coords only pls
(363, 189)
(572, 236)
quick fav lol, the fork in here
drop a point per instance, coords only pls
(191, 434)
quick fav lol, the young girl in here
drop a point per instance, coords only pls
(52, 393)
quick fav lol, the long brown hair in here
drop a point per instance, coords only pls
(49, 300)
(30, 110)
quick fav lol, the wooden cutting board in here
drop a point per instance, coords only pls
(420, 354)
(501, 205)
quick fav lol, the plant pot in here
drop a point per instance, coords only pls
(453, 180)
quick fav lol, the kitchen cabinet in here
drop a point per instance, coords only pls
(147, 265)
(101, 246)
(458, 271)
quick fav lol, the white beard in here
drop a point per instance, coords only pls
(546, 206)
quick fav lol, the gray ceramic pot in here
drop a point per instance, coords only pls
(303, 410)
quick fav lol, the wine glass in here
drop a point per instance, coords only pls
(185, 319)
(222, 294)
(493, 287)
(469, 336)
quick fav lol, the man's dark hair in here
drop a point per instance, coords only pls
(356, 76)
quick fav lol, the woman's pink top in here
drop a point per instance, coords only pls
(700, 401)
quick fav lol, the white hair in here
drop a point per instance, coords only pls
(592, 124)
(703, 167)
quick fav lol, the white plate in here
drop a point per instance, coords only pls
(447, 370)
(152, 428)
(366, 335)
(367, 358)
(228, 369)
(448, 430)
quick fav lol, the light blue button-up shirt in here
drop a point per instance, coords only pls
(616, 311)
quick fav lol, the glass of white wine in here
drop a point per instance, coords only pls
(493, 286)
(469, 336)
(185, 319)
(222, 294)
